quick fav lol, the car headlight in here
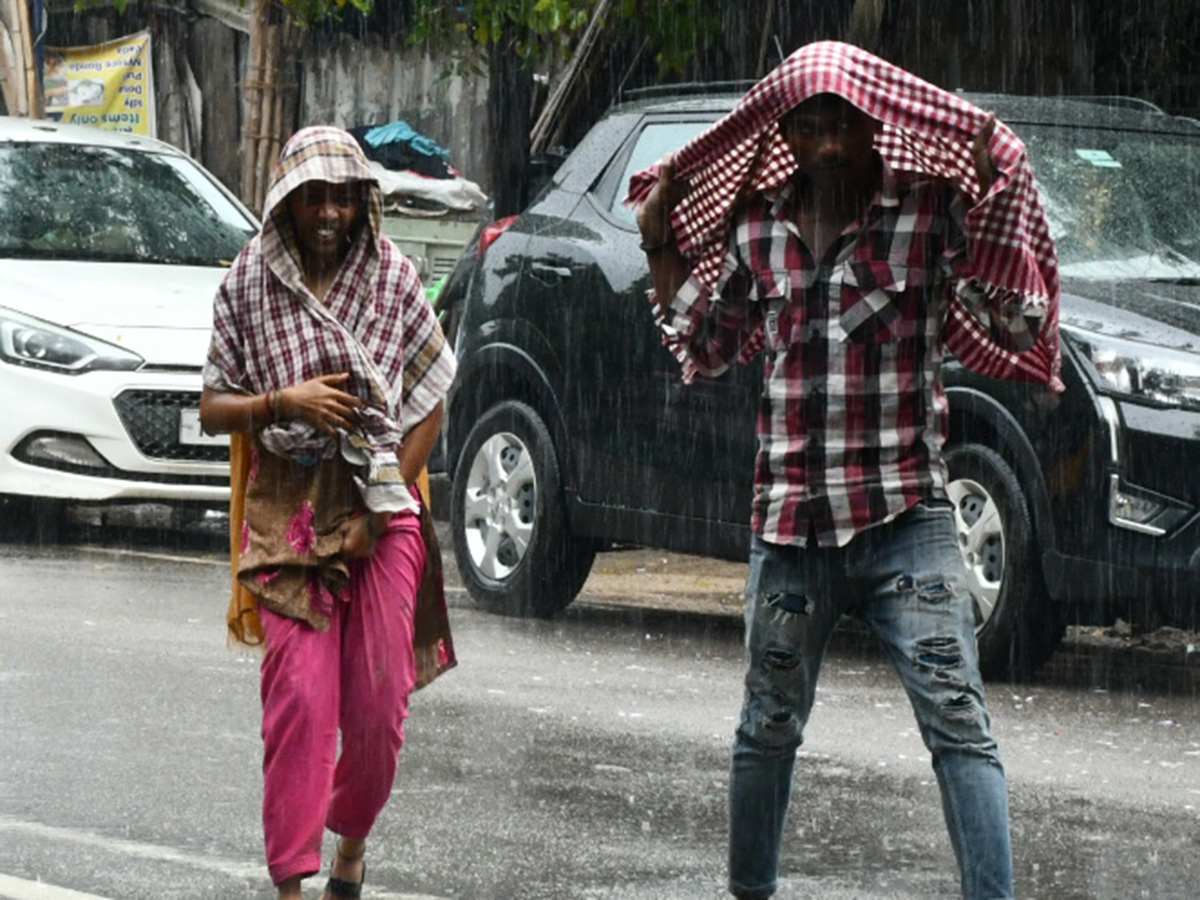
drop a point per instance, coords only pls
(26, 341)
(1159, 376)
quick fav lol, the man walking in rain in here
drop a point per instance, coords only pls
(852, 223)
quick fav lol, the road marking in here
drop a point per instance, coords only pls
(130, 848)
(146, 554)
(18, 889)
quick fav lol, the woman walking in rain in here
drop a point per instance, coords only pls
(329, 368)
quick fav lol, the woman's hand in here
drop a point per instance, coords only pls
(361, 533)
(319, 402)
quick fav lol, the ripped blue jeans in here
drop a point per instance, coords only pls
(905, 579)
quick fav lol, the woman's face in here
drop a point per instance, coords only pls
(325, 215)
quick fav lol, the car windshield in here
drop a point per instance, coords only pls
(1121, 204)
(77, 202)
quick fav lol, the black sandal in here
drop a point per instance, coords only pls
(341, 889)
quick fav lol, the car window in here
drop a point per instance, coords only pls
(67, 201)
(655, 140)
(1120, 204)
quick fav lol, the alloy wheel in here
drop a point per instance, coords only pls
(499, 505)
(980, 529)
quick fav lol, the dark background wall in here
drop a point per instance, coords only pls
(1147, 48)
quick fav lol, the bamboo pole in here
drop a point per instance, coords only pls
(561, 95)
(288, 83)
(267, 97)
(12, 57)
(252, 104)
(285, 49)
(26, 78)
(265, 138)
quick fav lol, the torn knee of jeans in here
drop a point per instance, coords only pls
(781, 659)
(939, 653)
(961, 708)
(930, 588)
(934, 589)
(799, 604)
(782, 715)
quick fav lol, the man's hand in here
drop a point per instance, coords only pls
(654, 216)
(320, 403)
(985, 169)
(668, 268)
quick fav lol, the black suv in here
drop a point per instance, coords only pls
(569, 427)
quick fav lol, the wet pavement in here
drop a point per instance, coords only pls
(580, 757)
(663, 583)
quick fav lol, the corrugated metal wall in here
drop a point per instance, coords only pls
(347, 82)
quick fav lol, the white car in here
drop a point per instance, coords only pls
(111, 249)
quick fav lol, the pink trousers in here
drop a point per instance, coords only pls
(355, 677)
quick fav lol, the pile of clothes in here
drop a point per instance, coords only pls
(414, 172)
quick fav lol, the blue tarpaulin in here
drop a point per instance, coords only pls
(402, 132)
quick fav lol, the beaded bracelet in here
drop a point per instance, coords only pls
(276, 402)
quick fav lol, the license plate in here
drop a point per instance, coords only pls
(191, 433)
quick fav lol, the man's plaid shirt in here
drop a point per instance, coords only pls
(852, 416)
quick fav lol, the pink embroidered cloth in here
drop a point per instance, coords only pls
(925, 130)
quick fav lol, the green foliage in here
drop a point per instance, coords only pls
(316, 10)
(305, 10)
(536, 30)
(119, 5)
(673, 30)
(531, 28)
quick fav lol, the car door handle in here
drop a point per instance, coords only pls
(548, 274)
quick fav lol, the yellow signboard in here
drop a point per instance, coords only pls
(108, 85)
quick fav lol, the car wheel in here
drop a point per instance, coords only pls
(1017, 626)
(508, 517)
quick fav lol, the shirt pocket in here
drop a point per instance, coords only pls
(781, 317)
(879, 304)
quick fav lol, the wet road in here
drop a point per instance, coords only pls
(581, 758)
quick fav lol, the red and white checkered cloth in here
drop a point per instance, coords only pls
(270, 332)
(925, 130)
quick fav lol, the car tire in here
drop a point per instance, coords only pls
(508, 517)
(1017, 626)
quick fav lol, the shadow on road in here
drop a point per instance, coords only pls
(152, 527)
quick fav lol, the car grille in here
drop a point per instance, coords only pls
(152, 420)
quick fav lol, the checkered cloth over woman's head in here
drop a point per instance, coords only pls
(924, 129)
(270, 331)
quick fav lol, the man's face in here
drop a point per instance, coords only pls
(832, 141)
